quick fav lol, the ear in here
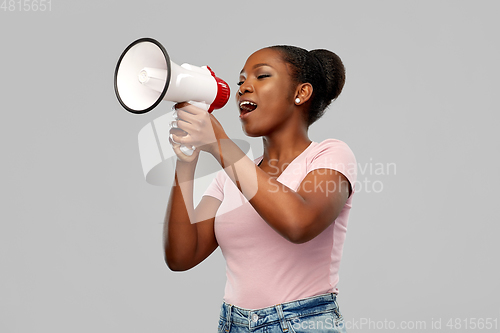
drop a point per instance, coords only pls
(303, 93)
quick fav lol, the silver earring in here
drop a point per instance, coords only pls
(297, 100)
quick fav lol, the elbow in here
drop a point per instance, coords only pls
(293, 231)
(175, 266)
(298, 239)
(301, 231)
(297, 236)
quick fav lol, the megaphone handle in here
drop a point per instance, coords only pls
(188, 151)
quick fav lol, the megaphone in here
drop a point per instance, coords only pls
(145, 75)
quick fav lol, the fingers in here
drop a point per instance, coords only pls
(172, 141)
(187, 121)
(179, 133)
(180, 154)
(182, 129)
(194, 124)
(185, 106)
(191, 118)
(178, 140)
(180, 105)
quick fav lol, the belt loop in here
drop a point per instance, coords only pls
(283, 323)
(335, 301)
(228, 317)
(337, 309)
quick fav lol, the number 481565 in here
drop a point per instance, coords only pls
(26, 5)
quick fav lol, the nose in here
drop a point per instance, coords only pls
(245, 87)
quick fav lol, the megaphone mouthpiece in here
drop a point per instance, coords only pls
(223, 93)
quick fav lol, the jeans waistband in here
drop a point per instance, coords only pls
(280, 312)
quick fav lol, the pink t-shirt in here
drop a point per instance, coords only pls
(262, 267)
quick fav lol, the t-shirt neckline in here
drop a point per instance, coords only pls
(295, 159)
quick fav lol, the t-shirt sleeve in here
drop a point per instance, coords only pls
(216, 188)
(336, 155)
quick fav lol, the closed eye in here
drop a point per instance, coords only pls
(262, 76)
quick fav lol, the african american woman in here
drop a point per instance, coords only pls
(281, 219)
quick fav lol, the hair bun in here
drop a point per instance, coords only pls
(334, 72)
(323, 69)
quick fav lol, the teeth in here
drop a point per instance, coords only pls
(247, 106)
(247, 103)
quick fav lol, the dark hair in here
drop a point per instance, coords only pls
(323, 69)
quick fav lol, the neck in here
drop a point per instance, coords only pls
(285, 146)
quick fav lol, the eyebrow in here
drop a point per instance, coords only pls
(257, 66)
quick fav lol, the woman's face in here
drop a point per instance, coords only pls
(267, 97)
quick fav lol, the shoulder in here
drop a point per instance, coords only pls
(333, 154)
(332, 146)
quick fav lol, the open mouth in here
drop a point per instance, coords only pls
(247, 106)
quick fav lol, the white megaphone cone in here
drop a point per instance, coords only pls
(145, 76)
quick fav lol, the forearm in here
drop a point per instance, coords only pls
(180, 233)
(283, 209)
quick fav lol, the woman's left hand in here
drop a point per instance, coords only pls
(200, 128)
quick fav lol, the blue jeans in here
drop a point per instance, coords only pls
(317, 314)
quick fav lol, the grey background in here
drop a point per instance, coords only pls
(80, 229)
